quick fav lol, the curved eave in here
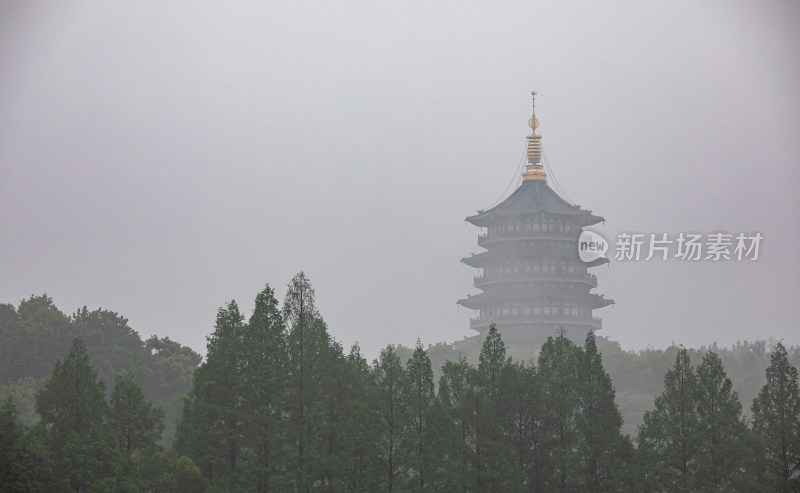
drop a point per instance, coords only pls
(473, 302)
(476, 260)
(602, 302)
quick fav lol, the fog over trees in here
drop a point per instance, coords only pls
(278, 404)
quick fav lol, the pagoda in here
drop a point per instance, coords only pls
(533, 282)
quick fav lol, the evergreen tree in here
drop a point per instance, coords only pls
(262, 387)
(457, 397)
(308, 350)
(723, 456)
(137, 425)
(419, 399)
(74, 418)
(557, 369)
(211, 428)
(523, 427)
(599, 422)
(669, 439)
(359, 425)
(776, 418)
(495, 467)
(393, 413)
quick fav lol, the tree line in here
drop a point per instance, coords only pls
(36, 334)
(278, 405)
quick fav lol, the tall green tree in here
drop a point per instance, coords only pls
(599, 423)
(211, 427)
(75, 420)
(669, 439)
(558, 376)
(724, 456)
(494, 466)
(393, 414)
(262, 387)
(523, 422)
(420, 396)
(309, 351)
(354, 417)
(456, 397)
(137, 423)
(776, 417)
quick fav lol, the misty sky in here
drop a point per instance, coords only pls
(158, 159)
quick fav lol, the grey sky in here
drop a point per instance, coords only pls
(158, 159)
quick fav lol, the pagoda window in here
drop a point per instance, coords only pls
(571, 268)
(567, 227)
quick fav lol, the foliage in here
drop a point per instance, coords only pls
(35, 334)
(776, 418)
(277, 405)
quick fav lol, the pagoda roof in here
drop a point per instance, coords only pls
(534, 196)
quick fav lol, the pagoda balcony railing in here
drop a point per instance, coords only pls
(480, 322)
(527, 235)
(484, 280)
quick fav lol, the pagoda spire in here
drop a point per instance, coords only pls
(534, 171)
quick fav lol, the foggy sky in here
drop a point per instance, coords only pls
(159, 160)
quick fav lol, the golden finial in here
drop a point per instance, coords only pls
(533, 171)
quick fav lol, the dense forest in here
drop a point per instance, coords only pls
(36, 334)
(278, 405)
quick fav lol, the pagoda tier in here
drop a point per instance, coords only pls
(530, 252)
(532, 280)
(545, 297)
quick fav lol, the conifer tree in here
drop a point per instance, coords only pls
(776, 418)
(137, 426)
(724, 456)
(557, 369)
(495, 467)
(419, 399)
(210, 431)
(393, 413)
(457, 396)
(74, 419)
(669, 438)
(359, 425)
(264, 375)
(599, 422)
(308, 350)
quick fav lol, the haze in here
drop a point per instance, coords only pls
(158, 159)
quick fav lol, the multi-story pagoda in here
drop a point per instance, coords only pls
(533, 281)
